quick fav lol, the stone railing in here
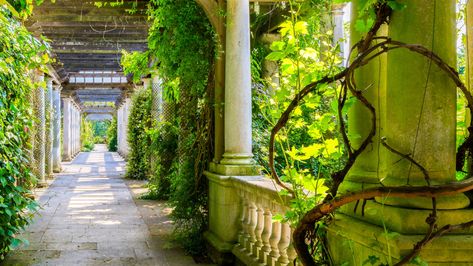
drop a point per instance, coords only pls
(258, 239)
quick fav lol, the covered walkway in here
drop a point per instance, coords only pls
(90, 215)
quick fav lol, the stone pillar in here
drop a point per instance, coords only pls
(49, 128)
(416, 109)
(67, 129)
(40, 129)
(126, 114)
(157, 91)
(56, 129)
(119, 129)
(238, 139)
(338, 27)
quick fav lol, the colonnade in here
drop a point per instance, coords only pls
(72, 118)
(45, 138)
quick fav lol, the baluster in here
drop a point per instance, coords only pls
(258, 231)
(241, 234)
(284, 244)
(291, 251)
(268, 223)
(246, 221)
(273, 241)
(251, 228)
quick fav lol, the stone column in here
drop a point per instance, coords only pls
(120, 129)
(416, 109)
(49, 128)
(56, 129)
(126, 111)
(157, 91)
(338, 27)
(40, 129)
(238, 139)
(67, 129)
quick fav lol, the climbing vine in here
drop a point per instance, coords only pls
(185, 61)
(374, 15)
(138, 139)
(20, 53)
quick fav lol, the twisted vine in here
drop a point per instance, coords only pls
(367, 50)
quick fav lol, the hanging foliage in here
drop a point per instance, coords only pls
(20, 53)
(138, 139)
(185, 62)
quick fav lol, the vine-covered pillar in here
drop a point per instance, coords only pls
(40, 130)
(237, 160)
(415, 104)
(56, 129)
(49, 128)
(156, 92)
(66, 129)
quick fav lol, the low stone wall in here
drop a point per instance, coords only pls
(241, 210)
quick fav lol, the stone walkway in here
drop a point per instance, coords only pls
(91, 216)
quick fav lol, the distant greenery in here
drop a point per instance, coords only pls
(112, 141)
(87, 135)
(100, 129)
(20, 53)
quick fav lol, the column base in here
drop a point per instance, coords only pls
(351, 242)
(235, 170)
(237, 159)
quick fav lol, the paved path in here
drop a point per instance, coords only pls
(90, 216)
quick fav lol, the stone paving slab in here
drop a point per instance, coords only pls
(90, 215)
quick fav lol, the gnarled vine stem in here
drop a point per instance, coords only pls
(367, 50)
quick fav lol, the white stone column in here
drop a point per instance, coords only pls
(338, 27)
(49, 129)
(66, 130)
(119, 128)
(238, 139)
(56, 129)
(126, 110)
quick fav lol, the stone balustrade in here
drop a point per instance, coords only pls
(260, 239)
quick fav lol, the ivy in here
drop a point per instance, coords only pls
(138, 139)
(20, 53)
(183, 42)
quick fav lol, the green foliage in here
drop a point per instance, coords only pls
(112, 135)
(87, 135)
(20, 53)
(309, 148)
(100, 129)
(182, 40)
(163, 151)
(138, 139)
(135, 64)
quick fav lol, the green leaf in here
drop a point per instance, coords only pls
(396, 6)
(275, 56)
